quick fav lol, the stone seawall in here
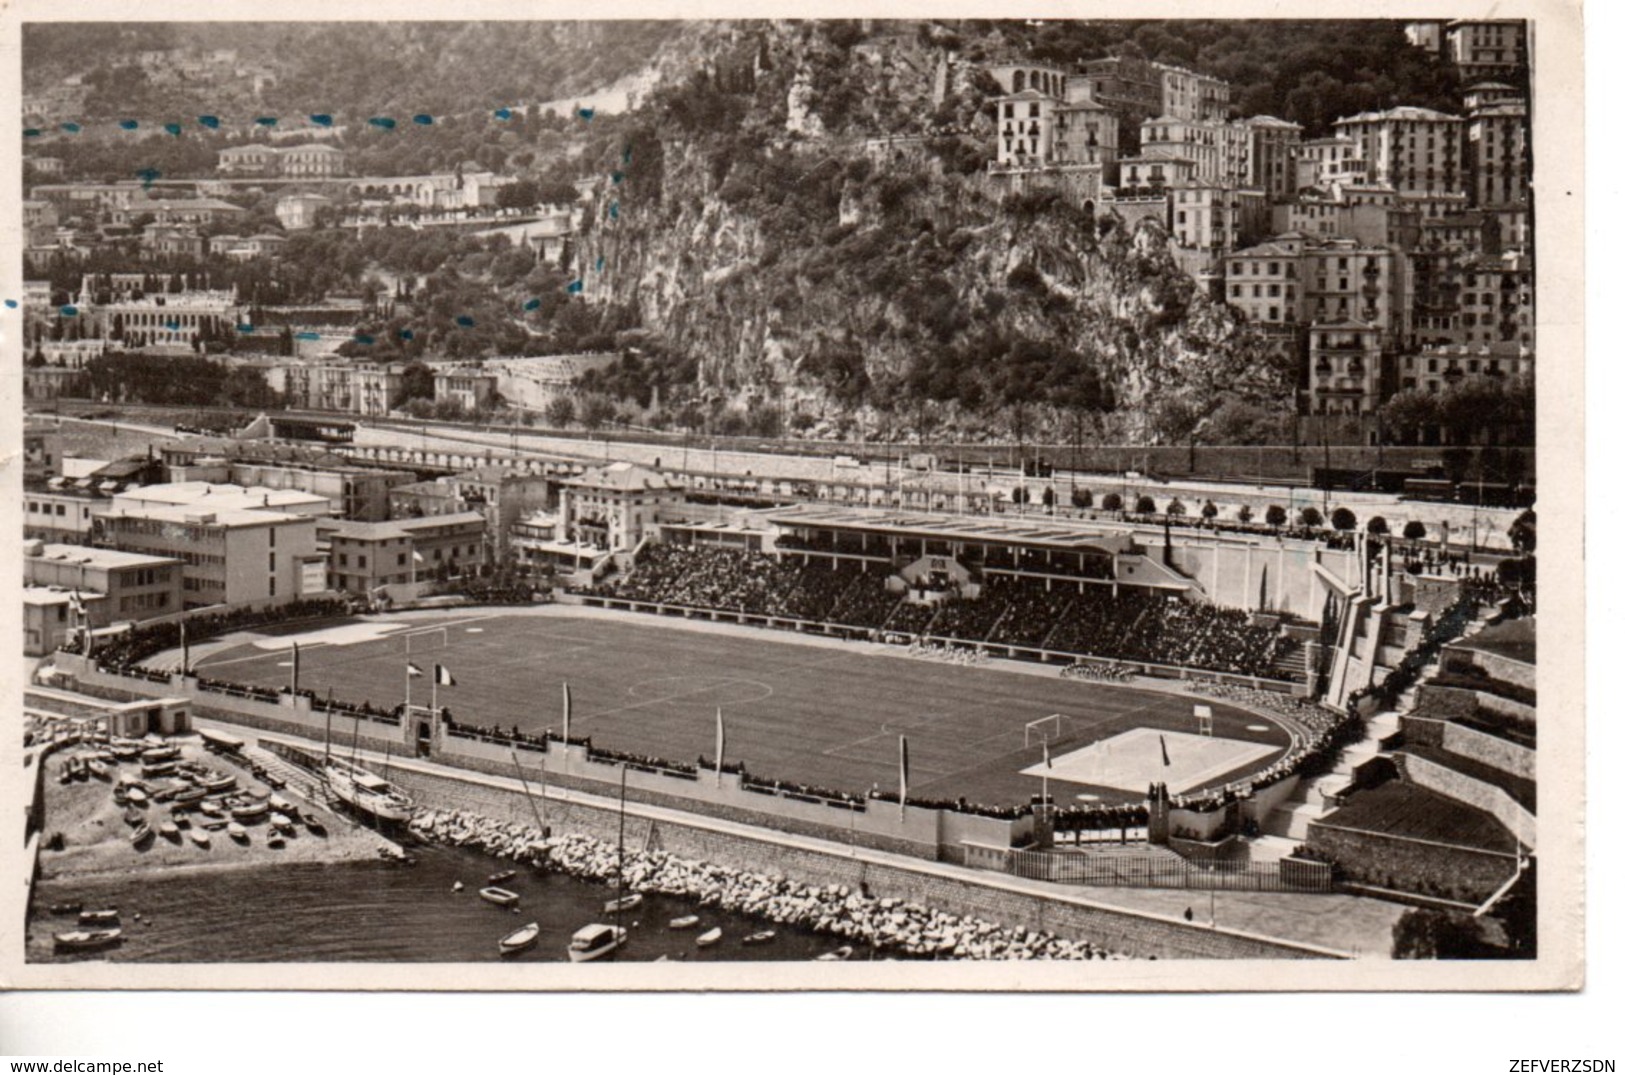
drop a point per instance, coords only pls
(953, 890)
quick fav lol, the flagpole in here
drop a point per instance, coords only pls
(434, 691)
(720, 744)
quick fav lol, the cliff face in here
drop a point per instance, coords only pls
(754, 229)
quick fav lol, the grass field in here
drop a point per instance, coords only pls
(828, 715)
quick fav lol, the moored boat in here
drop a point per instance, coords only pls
(502, 897)
(169, 831)
(237, 832)
(283, 806)
(98, 769)
(595, 942)
(314, 827)
(623, 903)
(275, 840)
(104, 917)
(500, 878)
(688, 921)
(187, 796)
(156, 755)
(219, 782)
(199, 837)
(709, 937)
(366, 791)
(136, 795)
(520, 939)
(133, 817)
(762, 936)
(840, 955)
(67, 907)
(281, 821)
(83, 940)
(141, 835)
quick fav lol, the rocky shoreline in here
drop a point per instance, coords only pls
(837, 910)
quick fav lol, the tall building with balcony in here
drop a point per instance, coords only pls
(1192, 95)
(1488, 48)
(1435, 369)
(1414, 150)
(1345, 280)
(1194, 140)
(1026, 128)
(1271, 156)
(1131, 88)
(1345, 367)
(1498, 154)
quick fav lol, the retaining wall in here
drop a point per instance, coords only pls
(1065, 915)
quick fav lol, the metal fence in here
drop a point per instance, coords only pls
(1160, 871)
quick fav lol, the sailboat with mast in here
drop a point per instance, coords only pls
(360, 788)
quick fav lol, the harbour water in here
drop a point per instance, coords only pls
(382, 912)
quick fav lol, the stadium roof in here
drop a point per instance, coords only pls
(1038, 532)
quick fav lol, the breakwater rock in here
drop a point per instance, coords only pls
(887, 924)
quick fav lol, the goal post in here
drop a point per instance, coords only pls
(1043, 730)
(1204, 720)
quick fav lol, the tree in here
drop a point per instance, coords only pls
(561, 411)
(1310, 517)
(1343, 519)
(1112, 502)
(1245, 513)
(1210, 511)
(1145, 506)
(596, 411)
(1423, 933)
(1049, 497)
(1083, 499)
(417, 382)
(1176, 507)
(1377, 526)
(518, 195)
(1275, 515)
(1415, 530)
(1522, 532)
(1409, 415)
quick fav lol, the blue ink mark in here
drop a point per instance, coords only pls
(406, 334)
(614, 210)
(69, 311)
(364, 340)
(211, 122)
(245, 328)
(600, 263)
(423, 119)
(464, 321)
(626, 155)
(573, 287)
(322, 119)
(173, 128)
(71, 128)
(504, 113)
(173, 326)
(129, 124)
(585, 113)
(266, 121)
(382, 121)
(11, 304)
(307, 336)
(616, 177)
(148, 176)
(530, 304)
(31, 132)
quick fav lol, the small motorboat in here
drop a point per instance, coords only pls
(237, 832)
(199, 837)
(83, 940)
(67, 907)
(502, 897)
(314, 827)
(595, 942)
(141, 835)
(624, 903)
(520, 939)
(501, 878)
(709, 937)
(688, 921)
(105, 917)
(840, 955)
(274, 839)
(169, 831)
(762, 936)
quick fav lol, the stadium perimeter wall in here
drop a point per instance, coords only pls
(930, 884)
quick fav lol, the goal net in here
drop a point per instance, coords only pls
(1044, 729)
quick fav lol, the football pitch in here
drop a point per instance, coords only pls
(827, 715)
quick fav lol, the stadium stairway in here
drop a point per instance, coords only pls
(1291, 663)
(1288, 824)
